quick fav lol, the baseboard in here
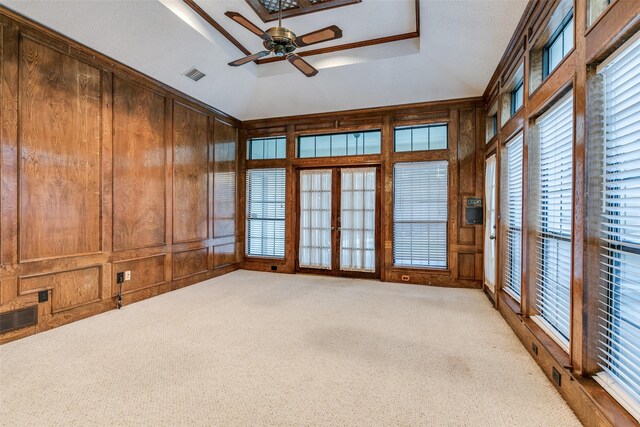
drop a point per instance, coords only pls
(108, 304)
(589, 401)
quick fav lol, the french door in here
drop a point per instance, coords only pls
(338, 218)
(490, 224)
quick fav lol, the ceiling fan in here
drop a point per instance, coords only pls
(282, 41)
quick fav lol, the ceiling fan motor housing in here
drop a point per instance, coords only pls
(282, 41)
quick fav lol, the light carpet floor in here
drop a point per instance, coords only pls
(254, 348)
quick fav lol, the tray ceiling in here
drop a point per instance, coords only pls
(454, 57)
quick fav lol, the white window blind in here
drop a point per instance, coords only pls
(265, 212)
(619, 342)
(513, 252)
(420, 214)
(554, 218)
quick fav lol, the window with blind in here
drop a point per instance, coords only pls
(513, 247)
(619, 338)
(265, 212)
(553, 181)
(420, 214)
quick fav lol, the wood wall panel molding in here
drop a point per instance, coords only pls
(139, 162)
(224, 167)
(146, 272)
(190, 263)
(9, 139)
(59, 146)
(74, 49)
(68, 289)
(467, 152)
(89, 141)
(190, 175)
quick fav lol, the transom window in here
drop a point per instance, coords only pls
(517, 96)
(267, 148)
(559, 45)
(421, 138)
(339, 144)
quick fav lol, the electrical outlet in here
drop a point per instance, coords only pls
(43, 296)
(127, 275)
(274, 268)
(404, 278)
(557, 378)
(119, 277)
(534, 348)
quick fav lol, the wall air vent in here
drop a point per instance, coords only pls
(194, 74)
(17, 319)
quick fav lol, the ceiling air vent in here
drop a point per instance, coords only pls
(194, 74)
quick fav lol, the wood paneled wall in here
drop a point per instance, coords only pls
(619, 21)
(104, 170)
(466, 127)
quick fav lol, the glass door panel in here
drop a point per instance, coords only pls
(490, 224)
(357, 219)
(315, 219)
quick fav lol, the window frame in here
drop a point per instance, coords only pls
(428, 126)
(552, 230)
(514, 94)
(613, 284)
(333, 134)
(249, 147)
(446, 221)
(559, 32)
(249, 218)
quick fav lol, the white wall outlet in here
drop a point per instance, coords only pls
(127, 275)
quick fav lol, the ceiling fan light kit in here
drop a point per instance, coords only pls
(282, 42)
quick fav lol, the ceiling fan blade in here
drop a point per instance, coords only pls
(249, 58)
(323, 35)
(248, 25)
(302, 65)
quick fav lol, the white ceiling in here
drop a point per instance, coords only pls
(460, 44)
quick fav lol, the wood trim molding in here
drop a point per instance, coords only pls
(305, 7)
(353, 45)
(105, 63)
(421, 109)
(204, 15)
(346, 46)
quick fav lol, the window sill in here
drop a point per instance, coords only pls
(264, 258)
(434, 270)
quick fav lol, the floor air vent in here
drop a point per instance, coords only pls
(194, 74)
(18, 319)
